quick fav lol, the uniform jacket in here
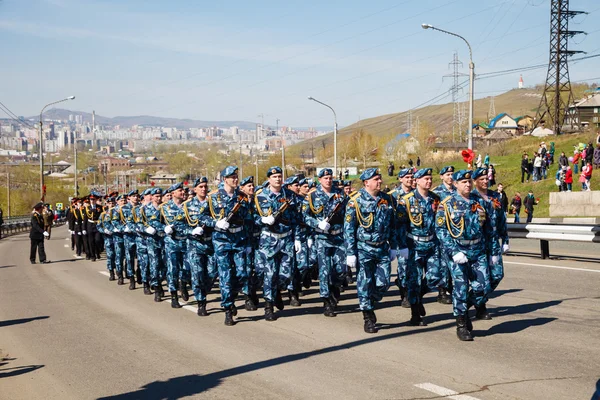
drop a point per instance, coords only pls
(220, 206)
(173, 215)
(416, 217)
(318, 205)
(266, 202)
(37, 226)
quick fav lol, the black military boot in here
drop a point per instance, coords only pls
(229, 317)
(147, 289)
(202, 309)
(138, 275)
(482, 313)
(120, 278)
(404, 303)
(461, 329)
(373, 316)
(233, 309)
(369, 323)
(131, 284)
(349, 277)
(294, 301)
(111, 276)
(249, 304)
(254, 297)
(335, 295)
(421, 308)
(306, 279)
(415, 316)
(157, 296)
(184, 293)
(269, 314)
(469, 323)
(175, 300)
(443, 297)
(329, 309)
(279, 300)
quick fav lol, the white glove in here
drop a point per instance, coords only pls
(393, 254)
(309, 242)
(268, 220)
(109, 233)
(222, 224)
(403, 253)
(46, 234)
(78, 233)
(84, 232)
(248, 250)
(115, 230)
(460, 258)
(71, 232)
(168, 229)
(126, 230)
(150, 230)
(297, 246)
(493, 260)
(324, 225)
(505, 248)
(351, 261)
(198, 231)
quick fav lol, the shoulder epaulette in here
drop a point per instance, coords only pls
(188, 200)
(434, 195)
(408, 195)
(257, 192)
(391, 192)
(446, 200)
(312, 190)
(354, 195)
(212, 192)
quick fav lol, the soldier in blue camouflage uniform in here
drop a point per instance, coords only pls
(141, 247)
(491, 201)
(255, 276)
(199, 244)
(444, 190)
(323, 211)
(276, 212)
(106, 228)
(154, 228)
(300, 264)
(405, 180)
(129, 235)
(370, 241)
(176, 228)
(118, 240)
(309, 259)
(464, 228)
(418, 243)
(231, 218)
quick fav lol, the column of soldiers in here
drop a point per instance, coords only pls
(280, 236)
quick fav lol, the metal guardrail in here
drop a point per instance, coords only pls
(20, 224)
(549, 232)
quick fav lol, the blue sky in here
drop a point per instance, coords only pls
(235, 60)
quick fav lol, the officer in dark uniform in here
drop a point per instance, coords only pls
(37, 234)
(92, 213)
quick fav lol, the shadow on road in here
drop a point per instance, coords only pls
(20, 321)
(7, 266)
(15, 371)
(498, 293)
(513, 326)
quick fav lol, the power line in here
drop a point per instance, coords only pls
(13, 116)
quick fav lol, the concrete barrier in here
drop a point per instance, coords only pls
(575, 204)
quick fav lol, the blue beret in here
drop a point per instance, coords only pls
(265, 184)
(144, 192)
(335, 182)
(247, 180)
(157, 191)
(422, 172)
(447, 168)
(325, 172)
(292, 180)
(462, 174)
(228, 171)
(121, 196)
(200, 180)
(273, 171)
(303, 181)
(406, 171)
(133, 193)
(110, 199)
(174, 187)
(479, 172)
(369, 173)
(347, 183)
(95, 194)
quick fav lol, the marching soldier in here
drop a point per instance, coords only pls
(347, 187)
(141, 246)
(37, 234)
(463, 228)
(370, 240)
(323, 211)
(92, 213)
(255, 274)
(79, 228)
(277, 213)
(105, 227)
(84, 225)
(418, 243)
(199, 244)
(300, 265)
(154, 228)
(230, 217)
(118, 240)
(71, 218)
(129, 235)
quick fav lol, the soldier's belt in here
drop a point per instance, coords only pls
(468, 242)
(179, 237)
(420, 238)
(373, 243)
(336, 232)
(277, 235)
(256, 234)
(230, 230)
(200, 238)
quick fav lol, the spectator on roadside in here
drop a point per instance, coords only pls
(515, 206)
(503, 197)
(478, 161)
(576, 158)
(537, 167)
(589, 155)
(569, 178)
(587, 175)
(346, 174)
(410, 162)
(597, 137)
(525, 168)
(563, 161)
(486, 160)
(391, 169)
(1, 222)
(418, 161)
(596, 160)
(491, 176)
(528, 203)
(560, 179)
(551, 154)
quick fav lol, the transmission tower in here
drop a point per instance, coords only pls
(409, 122)
(454, 90)
(557, 91)
(492, 110)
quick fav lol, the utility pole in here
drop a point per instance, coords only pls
(8, 192)
(558, 95)
(75, 164)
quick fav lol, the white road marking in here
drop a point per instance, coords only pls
(66, 245)
(552, 266)
(442, 391)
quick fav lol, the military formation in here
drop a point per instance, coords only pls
(277, 238)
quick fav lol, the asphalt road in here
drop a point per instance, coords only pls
(66, 332)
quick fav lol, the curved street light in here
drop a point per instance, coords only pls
(335, 126)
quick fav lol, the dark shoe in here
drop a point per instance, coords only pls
(120, 278)
(202, 309)
(369, 324)
(131, 284)
(269, 314)
(33, 262)
(147, 289)
(157, 296)
(229, 318)
(335, 291)
(175, 300)
(254, 297)
(415, 316)
(373, 316)
(306, 279)
(422, 309)
(329, 310)
(184, 293)
(138, 276)
(482, 313)
(93, 259)
(469, 323)
(111, 276)
(404, 303)
(249, 304)
(461, 329)
(279, 301)
(233, 309)
(443, 297)
(45, 262)
(294, 301)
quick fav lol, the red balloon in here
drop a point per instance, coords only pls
(468, 155)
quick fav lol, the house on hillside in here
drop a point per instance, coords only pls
(480, 130)
(525, 123)
(505, 123)
(497, 135)
(589, 112)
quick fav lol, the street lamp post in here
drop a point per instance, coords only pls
(471, 81)
(335, 126)
(42, 144)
